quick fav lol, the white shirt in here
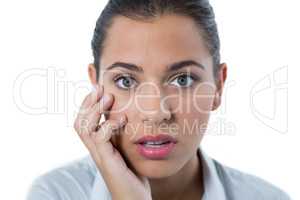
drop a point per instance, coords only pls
(80, 180)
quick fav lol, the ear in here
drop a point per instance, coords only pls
(221, 78)
(92, 74)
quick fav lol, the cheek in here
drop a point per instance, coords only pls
(192, 128)
(194, 118)
(203, 97)
(192, 125)
(121, 103)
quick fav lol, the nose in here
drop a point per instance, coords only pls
(152, 105)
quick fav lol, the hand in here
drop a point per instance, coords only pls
(120, 180)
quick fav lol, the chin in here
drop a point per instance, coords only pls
(156, 169)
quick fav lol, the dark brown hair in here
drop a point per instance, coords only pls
(199, 10)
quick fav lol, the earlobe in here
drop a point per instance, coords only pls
(222, 75)
(217, 101)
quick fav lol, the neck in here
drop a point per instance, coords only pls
(187, 182)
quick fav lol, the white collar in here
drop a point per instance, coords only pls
(213, 188)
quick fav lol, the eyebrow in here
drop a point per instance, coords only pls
(173, 67)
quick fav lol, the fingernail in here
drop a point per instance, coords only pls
(93, 88)
(105, 98)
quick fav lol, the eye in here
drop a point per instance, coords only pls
(124, 81)
(184, 80)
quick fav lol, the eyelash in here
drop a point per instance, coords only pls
(194, 77)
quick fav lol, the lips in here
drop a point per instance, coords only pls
(156, 139)
(156, 147)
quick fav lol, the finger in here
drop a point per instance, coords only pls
(90, 145)
(107, 130)
(89, 142)
(85, 124)
(103, 148)
(82, 120)
(95, 112)
(91, 99)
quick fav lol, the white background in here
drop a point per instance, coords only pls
(260, 44)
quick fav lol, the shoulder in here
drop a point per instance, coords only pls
(242, 185)
(73, 180)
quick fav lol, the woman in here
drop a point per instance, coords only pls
(156, 66)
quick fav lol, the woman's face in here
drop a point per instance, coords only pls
(154, 99)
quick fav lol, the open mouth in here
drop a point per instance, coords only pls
(155, 144)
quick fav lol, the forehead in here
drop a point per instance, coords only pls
(156, 44)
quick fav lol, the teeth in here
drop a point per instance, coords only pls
(154, 144)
